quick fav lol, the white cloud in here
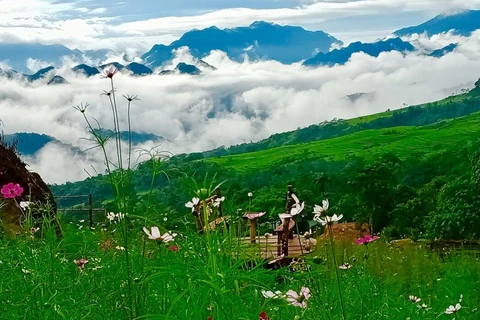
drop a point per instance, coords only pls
(239, 102)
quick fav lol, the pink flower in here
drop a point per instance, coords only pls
(366, 240)
(81, 263)
(299, 299)
(11, 190)
(109, 73)
(173, 248)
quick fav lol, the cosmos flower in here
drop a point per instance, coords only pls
(250, 194)
(321, 209)
(253, 215)
(366, 239)
(414, 299)
(11, 190)
(155, 235)
(109, 73)
(299, 299)
(453, 309)
(192, 204)
(24, 204)
(327, 220)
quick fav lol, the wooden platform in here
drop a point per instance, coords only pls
(267, 248)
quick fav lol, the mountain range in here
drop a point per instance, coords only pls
(260, 40)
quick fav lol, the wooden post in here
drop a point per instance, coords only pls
(253, 230)
(90, 210)
(285, 236)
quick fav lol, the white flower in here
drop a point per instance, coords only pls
(297, 208)
(327, 220)
(218, 201)
(273, 295)
(111, 216)
(24, 204)
(453, 309)
(155, 235)
(192, 204)
(120, 248)
(321, 209)
(250, 194)
(295, 198)
(120, 215)
(414, 299)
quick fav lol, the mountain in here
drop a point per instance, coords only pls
(39, 74)
(183, 68)
(138, 69)
(56, 80)
(260, 40)
(28, 143)
(443, 51)
(462, 22)
(342, 55)
(86, 70)
(17, 54)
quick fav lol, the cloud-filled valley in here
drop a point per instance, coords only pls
(236, 103)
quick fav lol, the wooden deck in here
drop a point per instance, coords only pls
(268, 247)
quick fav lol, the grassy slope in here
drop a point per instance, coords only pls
(368, 143)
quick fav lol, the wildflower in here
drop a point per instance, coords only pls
(299, 299)
(250, 194)
(327, 220)
(218, 201)
(318, 210)
(414, 299)
(173, 248)
(11, 190)
(120, 248)
(263, 316)
(33, 230)
(192, 204)
(423, 306)
(345, 266)
(366, 239)
(109, 73)
(273, 295)
(111, 216)
(81, 263)
(120, 216)
(26, 271)
(24, 204)
(155, 235)
(297, 208)
(453, 309)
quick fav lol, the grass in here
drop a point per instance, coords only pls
(402, 141)
(203, 278)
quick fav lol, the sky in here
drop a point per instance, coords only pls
(240, 101)
(121, 25)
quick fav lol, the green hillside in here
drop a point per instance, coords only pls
(401, 141)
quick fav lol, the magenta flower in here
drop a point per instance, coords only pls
(366, 240)
(11, 190)
(299, 299)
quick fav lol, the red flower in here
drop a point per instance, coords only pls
(173, 248)
(11, 190)
(109, 73)
(263, 316)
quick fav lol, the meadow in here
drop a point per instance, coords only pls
(145, 260)
(126, 275)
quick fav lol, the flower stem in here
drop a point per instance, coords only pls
(336, 270)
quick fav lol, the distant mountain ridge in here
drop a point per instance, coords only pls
(260, 40)
(462, 22)
(342, 55)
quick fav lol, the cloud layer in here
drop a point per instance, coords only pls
(239, 102)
